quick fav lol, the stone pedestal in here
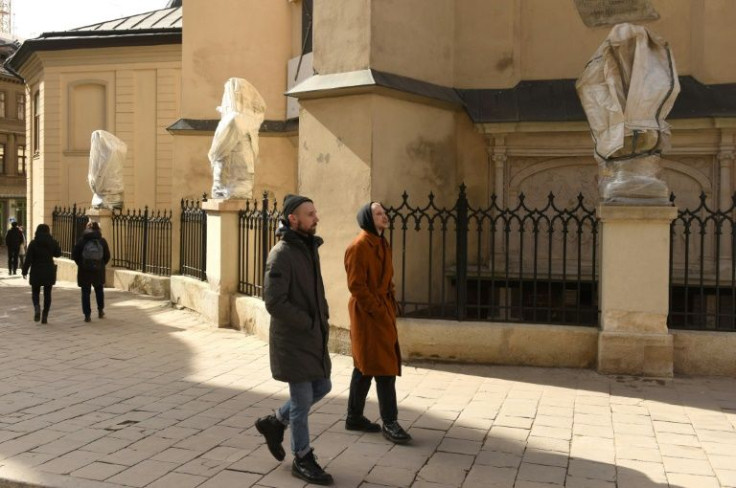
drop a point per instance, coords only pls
(222, 258)
(103, 216)
(634, 290)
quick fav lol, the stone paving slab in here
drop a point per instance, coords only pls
(153, 397)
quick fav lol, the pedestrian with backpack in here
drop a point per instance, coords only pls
(40, 260)
(91, 254)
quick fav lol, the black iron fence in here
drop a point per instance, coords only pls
(257, 226)
(193, 251)
(520, 263)
(141, 240)
(67, 225)
(703, 268)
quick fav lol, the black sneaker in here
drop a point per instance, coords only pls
(393, 432)
(100, 313)
(273, 430)
(87, 318)
(361, 423)
(306, 468)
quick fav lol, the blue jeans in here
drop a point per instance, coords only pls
(99, 295)
(295, 411)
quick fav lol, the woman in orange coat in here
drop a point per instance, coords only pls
(373, 334)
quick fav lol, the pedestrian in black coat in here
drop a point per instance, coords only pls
(40, 259)
(294, 295)
(87, 279)
(13, 239)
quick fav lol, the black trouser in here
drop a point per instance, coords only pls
(13, 261)
(35, 296)
(99, 295)
(386, 389)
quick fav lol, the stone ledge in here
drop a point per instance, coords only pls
(142, 283)
(704, 353)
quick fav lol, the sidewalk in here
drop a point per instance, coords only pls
(152, 397)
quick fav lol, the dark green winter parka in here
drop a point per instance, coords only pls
(295, 297)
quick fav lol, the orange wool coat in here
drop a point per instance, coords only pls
(372, 306)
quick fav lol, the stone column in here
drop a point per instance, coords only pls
(222, 258)
(103, 216)
(634, 290)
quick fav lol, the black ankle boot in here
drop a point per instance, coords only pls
(306, 468)
(362, 424)
(45, 317)
(273, 430)
(393, 432)
(36, 313)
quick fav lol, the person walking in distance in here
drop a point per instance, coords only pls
(373, 334)
(295, 297)
(91, 254)
(40, 259)
(14, 240)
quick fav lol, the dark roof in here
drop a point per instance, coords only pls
(147, 29)
(7, 48)
(557, 101)
(167, 18)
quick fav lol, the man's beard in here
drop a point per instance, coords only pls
(307, 230)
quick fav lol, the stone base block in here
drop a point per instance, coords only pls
(635, 354)
(498, 343)
(196, 295)
(137, 282)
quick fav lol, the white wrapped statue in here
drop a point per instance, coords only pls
(105, 175)
(234, 149)
(627, 89)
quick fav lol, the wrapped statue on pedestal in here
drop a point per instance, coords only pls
(105, 175)
(627, 89)
(234, 149)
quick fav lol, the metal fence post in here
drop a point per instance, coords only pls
(264, 233)
(203, 243)
(462, 253)
(144, 251)
(74, 225)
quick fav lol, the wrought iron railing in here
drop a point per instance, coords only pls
(193, 250)
(532, 264)
(67, 225)
(256, 236)
(141, 240)
(703, 268)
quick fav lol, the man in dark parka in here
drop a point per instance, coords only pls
(373, 334)
(294, 295)
(13, 239)
(87, 279)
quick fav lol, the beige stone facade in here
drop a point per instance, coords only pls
(14, 153)
(394, 96)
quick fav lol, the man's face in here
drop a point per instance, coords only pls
(304, 219)
(380, 219)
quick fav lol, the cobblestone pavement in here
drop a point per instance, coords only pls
(151, 396)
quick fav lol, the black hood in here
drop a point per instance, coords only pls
(365, 219)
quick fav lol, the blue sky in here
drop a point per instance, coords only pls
(32, 17)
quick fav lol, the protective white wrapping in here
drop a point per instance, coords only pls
(105, 175)
(234, 149)
(627, 90)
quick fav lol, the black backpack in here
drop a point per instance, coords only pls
(93, 255)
